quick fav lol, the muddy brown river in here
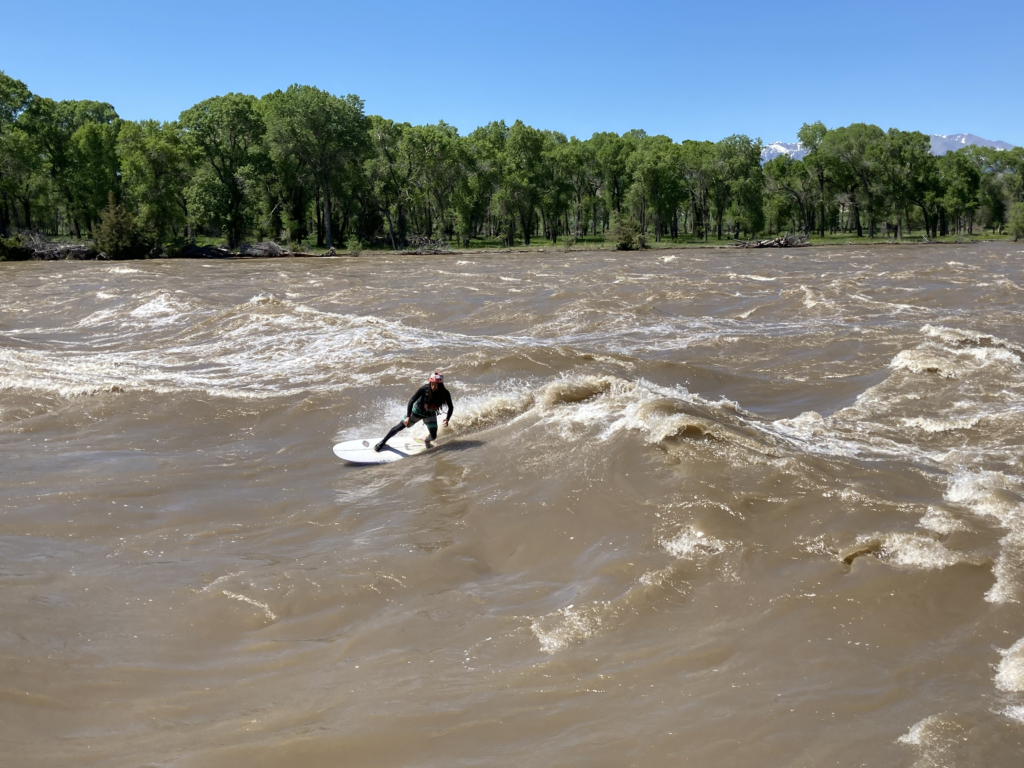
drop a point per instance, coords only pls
(694, 508)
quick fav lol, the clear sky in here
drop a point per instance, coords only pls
(686, 69)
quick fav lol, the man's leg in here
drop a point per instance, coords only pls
(431, 424)
(394, 431)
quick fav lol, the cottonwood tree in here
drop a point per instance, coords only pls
(76, 142)
(156, 167)
(227, 132)
(15, 148)
(325, 133)
(811, 136)
(523, 174)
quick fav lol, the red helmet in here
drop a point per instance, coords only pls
(438, 377)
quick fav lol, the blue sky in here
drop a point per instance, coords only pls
(689, 70)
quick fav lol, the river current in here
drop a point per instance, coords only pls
(694, 508)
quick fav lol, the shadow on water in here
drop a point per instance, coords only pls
(457, 445)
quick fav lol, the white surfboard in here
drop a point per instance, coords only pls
(361, 451)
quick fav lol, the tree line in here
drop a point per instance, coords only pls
(304, 165)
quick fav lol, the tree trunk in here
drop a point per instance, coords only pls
(327, 219)
(821, 185)
(391, 228)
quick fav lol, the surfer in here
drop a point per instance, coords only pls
(424, 406)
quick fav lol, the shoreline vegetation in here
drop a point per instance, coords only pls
(304, 172)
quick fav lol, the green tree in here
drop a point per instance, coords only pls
(811, 136)
(905, 160)
(790, 190)
(77, 142)
(156, 167)
(523, 174)
(486, 149)
(325, 133)
(227, 132)
(441, 160)
(961, 181)
(1016, 221)
(15, 98)
(657, 188)
(118, 234)
(612, 154)
(853, 156)
(556, 189)
(580, 163)
(696, 163)
(389, 171)
(734, 175)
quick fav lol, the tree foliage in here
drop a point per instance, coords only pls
(303, 164)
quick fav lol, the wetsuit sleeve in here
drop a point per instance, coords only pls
(448, 402)
(418, 395)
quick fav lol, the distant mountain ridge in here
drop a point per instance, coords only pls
(940, 145)
(951, 143)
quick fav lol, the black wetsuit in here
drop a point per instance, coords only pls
(420, 409)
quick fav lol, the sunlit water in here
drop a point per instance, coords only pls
(703, 508)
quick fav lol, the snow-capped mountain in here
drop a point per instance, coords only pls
(940, 146)
(951, 143)
(773, 150)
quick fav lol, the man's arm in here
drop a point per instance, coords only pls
(412, 400)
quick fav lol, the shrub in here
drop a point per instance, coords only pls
(13, 249)
(354, 246)
(118, 234)
(625, 233)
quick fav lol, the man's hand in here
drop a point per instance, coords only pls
(406, 421)
(446, 422)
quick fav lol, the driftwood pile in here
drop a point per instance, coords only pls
(43, 250)
(265, 249)
(424, 246)
(783, 241)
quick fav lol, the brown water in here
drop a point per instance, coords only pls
(628, 548)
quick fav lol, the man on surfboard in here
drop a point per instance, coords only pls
(424, 407)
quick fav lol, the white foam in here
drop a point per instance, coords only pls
(933, 739)
(942, 522)
(988, 493)
(691, 544)
(911, 550)
(942, 425)
(161, 309)
(568, 625)
(924, 361)
(996, 495)
(1010, 675)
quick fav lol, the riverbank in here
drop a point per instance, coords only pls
(40, 249)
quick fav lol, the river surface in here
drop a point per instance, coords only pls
(698, 508)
